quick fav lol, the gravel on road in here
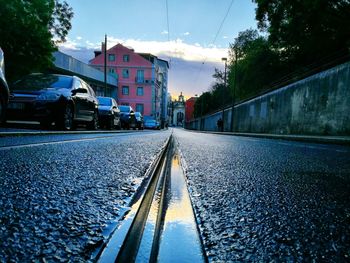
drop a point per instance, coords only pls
(261, 200)
(56, 201)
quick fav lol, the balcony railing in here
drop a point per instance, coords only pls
(144, 81)
(73, 65)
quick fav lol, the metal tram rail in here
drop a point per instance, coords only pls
(138, 237)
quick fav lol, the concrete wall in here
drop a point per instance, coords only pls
(318, 105)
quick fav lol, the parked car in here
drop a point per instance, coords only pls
(4, 90)
(127, 117)
(151, 124)
(139, 120)
(50, 98)
(108, 113)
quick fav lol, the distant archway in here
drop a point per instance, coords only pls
(180, 118)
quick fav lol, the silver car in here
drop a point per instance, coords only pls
(4, 90)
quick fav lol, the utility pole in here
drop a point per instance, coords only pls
(223, 96)
(105, 63)
(234, 89)
(201, 125)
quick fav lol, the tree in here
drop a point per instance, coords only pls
(218, 96)
(28, 30)
(305, 31)
(254, 65)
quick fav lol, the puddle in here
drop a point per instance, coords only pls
(179, 240)
(145, 249)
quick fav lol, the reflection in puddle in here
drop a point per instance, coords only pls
(179, 240)
(144, 252)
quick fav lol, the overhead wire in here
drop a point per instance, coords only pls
(213, 42)
(167, 21)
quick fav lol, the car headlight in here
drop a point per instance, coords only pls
(48, 97)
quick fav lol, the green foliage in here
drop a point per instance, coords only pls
(305, 31)
(216, 98)
(27, 30)
(300, 37)
(254, 65)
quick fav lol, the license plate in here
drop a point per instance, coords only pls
(16, 105)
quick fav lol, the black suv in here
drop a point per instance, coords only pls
(50, 98)
(127, 117)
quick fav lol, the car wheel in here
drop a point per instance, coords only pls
(110, 125)
(66, 121)
(94, 123)
(45, 124)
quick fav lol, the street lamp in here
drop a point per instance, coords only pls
(223, 95)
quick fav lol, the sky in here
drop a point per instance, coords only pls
(192, 37)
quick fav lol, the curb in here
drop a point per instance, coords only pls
(41, 133)
(339, 140)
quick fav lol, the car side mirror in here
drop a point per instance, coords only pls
(79, 90)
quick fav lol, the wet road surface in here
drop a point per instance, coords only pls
(57, 199)
(254, 199)
(265, 200)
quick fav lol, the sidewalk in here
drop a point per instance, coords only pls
(340, 140)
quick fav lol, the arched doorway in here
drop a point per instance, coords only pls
(180, 118)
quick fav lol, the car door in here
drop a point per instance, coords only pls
(79, 95)
(92, 101)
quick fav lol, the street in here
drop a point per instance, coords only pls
(58, 199)
(254, 199)
(269, 200)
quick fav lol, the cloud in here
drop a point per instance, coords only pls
(164, 32)
(79, 38)
(186, 33)
(191, 65)
(174, 48)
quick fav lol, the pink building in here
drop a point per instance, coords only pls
(136, 78)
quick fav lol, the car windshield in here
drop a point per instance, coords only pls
(150, 121)
(137, 114)
(124, 108)
(39, 82)
(104, 101)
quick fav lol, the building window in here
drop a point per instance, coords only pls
(111, 70)
(139, 91)
(139, 108)
(126, 58)
(125, 90)
(140, 78)
(125, 73)
(111, 57)
(100, 91)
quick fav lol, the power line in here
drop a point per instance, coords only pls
(167, 21)
(214, 40)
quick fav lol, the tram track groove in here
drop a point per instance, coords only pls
(141, 234)
(128, 251)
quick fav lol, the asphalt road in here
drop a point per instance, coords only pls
(255, 199)
(60, 195)
(266, 200)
